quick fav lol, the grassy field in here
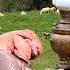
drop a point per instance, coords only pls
(38, 23)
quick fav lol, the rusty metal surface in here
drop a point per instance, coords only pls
(63, 27)
(65, 14)
(61, 44)
(60, 40)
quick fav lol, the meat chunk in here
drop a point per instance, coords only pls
(25, 44)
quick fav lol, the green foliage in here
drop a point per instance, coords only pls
(4, 4)
(23, 4)
(15, 5)
(18, 5)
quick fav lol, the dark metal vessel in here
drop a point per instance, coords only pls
(60, 40)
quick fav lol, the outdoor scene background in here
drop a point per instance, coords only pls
(19, 5)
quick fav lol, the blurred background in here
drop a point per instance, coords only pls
(19, 5)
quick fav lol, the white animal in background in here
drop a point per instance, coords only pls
(1, 14)
(57, 12)
(45, 10)
(52, 9)
(23, 13)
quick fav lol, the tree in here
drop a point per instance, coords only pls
(18, 5)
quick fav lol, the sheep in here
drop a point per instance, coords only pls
(45, 10)
(23, 13)
(52, 9)
(57, 12)
(1, 14)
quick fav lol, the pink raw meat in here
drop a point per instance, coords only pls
(25, 44)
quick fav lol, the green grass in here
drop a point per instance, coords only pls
(38, 23)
